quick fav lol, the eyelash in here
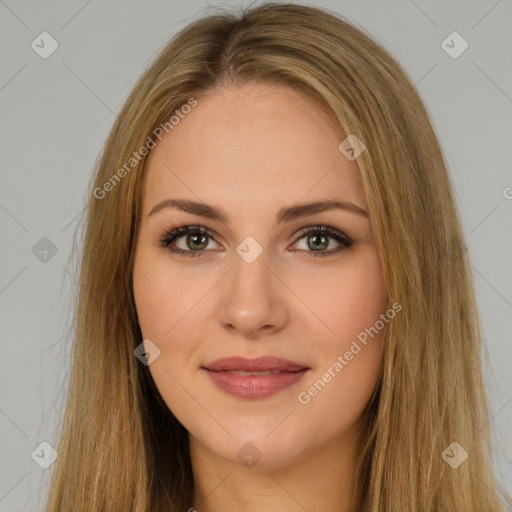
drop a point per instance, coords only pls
(166, 238)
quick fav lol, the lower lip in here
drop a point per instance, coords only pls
(255, 386)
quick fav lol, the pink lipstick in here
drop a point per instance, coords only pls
(254, 378)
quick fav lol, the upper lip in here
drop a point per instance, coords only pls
(259, 364)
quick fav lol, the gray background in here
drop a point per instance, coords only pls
(56, 113)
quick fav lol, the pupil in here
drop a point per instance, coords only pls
(195, 238)
(324, 242)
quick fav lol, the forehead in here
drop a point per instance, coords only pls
(257, 144)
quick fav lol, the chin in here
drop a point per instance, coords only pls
(257, 446)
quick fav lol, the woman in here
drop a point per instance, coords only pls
(276, 309)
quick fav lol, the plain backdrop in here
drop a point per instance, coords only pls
(56, 113)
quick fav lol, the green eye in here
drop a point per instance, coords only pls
(197, 239)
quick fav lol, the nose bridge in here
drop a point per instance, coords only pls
(251, 276)
(251, 300)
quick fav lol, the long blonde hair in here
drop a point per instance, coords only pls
(120, 447)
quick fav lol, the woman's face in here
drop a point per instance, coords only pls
(255, 284)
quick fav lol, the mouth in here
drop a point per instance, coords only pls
(243, 373)
(257, 365)
(254, 378)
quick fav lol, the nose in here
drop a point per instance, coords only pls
(253, 299)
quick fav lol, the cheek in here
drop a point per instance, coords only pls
(173, 305)
(350, 351)
(344, 379)
(347, 300)
(166, 316)
(164, 296)
(156, 306)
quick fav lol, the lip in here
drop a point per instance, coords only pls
(226, 375)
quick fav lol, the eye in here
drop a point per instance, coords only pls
(196, 240)
(317, 237)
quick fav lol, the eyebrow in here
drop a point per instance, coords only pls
(286, 214)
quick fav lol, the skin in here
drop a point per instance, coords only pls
(252, 150)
